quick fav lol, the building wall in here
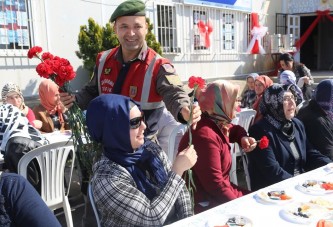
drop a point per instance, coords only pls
(57, 25)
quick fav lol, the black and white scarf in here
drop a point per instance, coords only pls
(13, 123)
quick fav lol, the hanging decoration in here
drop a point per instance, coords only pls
(205, 30)
(257, 33)
(321, 15)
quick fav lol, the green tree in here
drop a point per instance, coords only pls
(93, 39)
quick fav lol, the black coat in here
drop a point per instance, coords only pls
(276, 162)
(318, 128)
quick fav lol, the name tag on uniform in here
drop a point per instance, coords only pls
(174, 80)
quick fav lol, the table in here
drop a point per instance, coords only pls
(58, 136)
(262, 215)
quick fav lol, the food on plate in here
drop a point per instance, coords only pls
(308, 210)
(315, 184)
(323, 202)
(274, 195)
(324, 223)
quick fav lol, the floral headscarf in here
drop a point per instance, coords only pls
(108, 122)
(218, 100)
(9, 89)
(47, 91)
(271, 106)
(288, 77)
(323, 95)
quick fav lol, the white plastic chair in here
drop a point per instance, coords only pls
(177, 132)
(245, 120)
(52, 160)
(92, 202)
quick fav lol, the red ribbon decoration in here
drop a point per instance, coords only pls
(305, 36)
(255, 23)
(205, 30)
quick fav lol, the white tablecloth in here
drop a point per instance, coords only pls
(261, 215)
(58, 136)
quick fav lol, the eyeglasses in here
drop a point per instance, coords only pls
(289, 98)
(136, 122)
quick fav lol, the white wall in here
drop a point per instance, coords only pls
(57, 25)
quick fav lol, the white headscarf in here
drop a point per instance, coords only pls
(13, 123)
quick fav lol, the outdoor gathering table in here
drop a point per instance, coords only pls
(264, 213)
(58, 136)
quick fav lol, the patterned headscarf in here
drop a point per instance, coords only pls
(288, 77)
(252, 75)
(47, 91)
(13, 123)
(9, 89)
(218, 100)
(323, 95)
(271, 106)
(108, 123)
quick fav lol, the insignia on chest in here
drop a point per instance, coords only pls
(133, 91)
(107, 71)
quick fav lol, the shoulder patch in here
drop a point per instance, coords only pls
(168, 68)
(174, 80)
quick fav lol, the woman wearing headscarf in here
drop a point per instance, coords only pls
(287, 77)
(288, 153)
(11, 94)
(249, 95)
(18, 137)
(211, 140)
(133, 183)
(302, 73)
(317, 118)
(261, 83)
(50, 110)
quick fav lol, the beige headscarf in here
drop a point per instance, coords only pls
(8, 90)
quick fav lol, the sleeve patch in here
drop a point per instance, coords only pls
(174, 80)
(168, 68)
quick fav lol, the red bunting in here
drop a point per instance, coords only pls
(320, 16)
(205, 30)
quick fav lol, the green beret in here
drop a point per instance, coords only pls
(129, 8)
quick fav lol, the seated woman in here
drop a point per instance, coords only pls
(289, 153)
(303, 75)
(261, 83)
(317, 118)
(287, 77)
(249, 95)
(11, 94)
(133, 182)
(50, 110)
(21, 205)
(211, 140)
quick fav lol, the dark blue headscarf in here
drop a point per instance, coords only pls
(323, 95)
(108, 123)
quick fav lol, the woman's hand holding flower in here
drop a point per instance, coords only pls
(248, 143)
(185, 160)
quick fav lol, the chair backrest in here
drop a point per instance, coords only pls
(92, 202)
(246, 118)
(177, 132)
(52, 160)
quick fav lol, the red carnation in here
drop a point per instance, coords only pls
(34, 51)
(196, 81)
(263, 142)
(44, 70)
(47, 56)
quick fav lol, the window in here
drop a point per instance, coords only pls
(198, 40)
(14, 25)
(228, 31)
(166, 25)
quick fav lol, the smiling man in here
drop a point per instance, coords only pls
(137, 71)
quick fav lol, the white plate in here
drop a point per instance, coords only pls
(270, 196)
(229, 220)
(329, 168)
(314, 213)
(316, 189)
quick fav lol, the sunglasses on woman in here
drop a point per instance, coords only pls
(136, 122)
